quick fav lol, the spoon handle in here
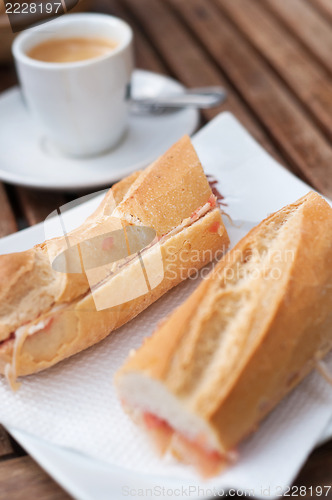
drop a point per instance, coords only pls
(205, 97)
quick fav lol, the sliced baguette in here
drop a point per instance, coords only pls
(29, 285)
(245, 338)
(46, 315)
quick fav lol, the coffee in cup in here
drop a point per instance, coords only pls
(67, 50)
(81, 106)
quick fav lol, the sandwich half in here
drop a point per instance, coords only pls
(152, 230)
(247, 336)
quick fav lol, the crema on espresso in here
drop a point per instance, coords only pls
(66, 50)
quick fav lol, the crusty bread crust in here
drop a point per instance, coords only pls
(80, 325)
(113, 198)
(160, 197)
(30, 286)
(168, 191)
(240, 343)
(46, 315)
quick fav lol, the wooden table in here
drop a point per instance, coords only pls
(274, 57)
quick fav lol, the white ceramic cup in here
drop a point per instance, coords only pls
(80, 106)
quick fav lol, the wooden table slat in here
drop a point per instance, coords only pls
(145, 55)
(22, 479)
(6, 447)
(37, 205)
(303, 20)
(7, 218)
(198, 70)
(317, 473)
(305, 77)
(323, 6)
(309, 151)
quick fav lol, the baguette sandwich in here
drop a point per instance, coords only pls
(152, 230)
(251, 331)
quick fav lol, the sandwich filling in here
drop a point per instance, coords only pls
(207, 461)
(172, 424)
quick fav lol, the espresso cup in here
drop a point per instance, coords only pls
(80, 106)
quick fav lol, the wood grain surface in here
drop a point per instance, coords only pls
(309, 151)
(6, 446)
(324, 7)
(189, 63)
(304, 76)
(306, 23)
(22, 479)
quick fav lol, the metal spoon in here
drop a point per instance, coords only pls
(205, 97)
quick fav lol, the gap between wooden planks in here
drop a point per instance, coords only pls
(6, 447)
(188, 62)
(309, 82)
(145, 55)
(7, 219)
(323, 6)
(37, 205)
(297, 136)
(22, 479)
(308, 24)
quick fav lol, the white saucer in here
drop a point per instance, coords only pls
(28, 159)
